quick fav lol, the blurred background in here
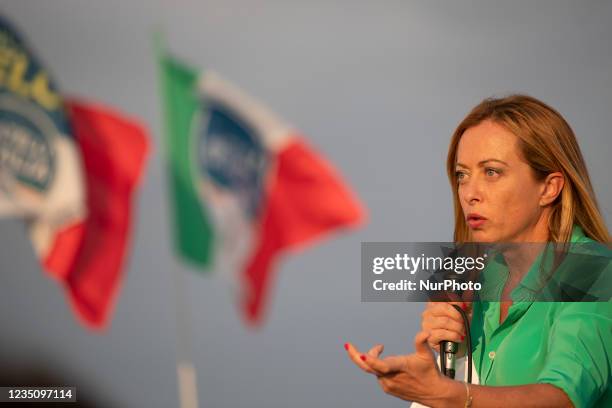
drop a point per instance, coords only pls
(377, 88)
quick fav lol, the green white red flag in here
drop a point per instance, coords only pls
(246, 187)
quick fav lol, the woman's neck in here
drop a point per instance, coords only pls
(522, 252)
(520, 257)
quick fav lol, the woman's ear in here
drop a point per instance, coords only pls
(553, 185)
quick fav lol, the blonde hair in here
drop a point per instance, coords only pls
(548, 144)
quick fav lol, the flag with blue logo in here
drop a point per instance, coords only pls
(246, 187)
(69, 169)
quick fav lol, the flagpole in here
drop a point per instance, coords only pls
(186, 373)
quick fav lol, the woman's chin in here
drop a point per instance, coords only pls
(480, 235)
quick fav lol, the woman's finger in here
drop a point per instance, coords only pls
(420, 344)
(438, 335)
(387, 365)
(376, 350)
(443, 322)
(358, 358)
(441, 309)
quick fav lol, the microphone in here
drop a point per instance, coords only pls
(448, 357)
(448, 351)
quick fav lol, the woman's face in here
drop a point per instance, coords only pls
(499, 194)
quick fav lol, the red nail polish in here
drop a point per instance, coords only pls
(346, 346)
(363, 357)
(462, 337)
(464, 306)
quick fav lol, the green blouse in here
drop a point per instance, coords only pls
(566, 344)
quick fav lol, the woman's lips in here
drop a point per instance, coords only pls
(475, 221)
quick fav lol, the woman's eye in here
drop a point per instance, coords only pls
(492, 172)
(460, 175)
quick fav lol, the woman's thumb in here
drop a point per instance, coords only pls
(420, 343)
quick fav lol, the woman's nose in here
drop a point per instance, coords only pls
(471, 192)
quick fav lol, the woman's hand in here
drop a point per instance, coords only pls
(443, 322)
(413, 377)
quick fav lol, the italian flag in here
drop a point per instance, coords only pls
(245, 186)
(70, 169)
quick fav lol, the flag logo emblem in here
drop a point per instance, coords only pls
(27, 154)
(231, 160)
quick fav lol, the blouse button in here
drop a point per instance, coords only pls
(491, 355)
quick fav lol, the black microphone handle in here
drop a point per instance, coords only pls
(448, 351)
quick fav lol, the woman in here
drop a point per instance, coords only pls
(517, 176)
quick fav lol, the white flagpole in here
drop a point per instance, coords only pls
(186, 373)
